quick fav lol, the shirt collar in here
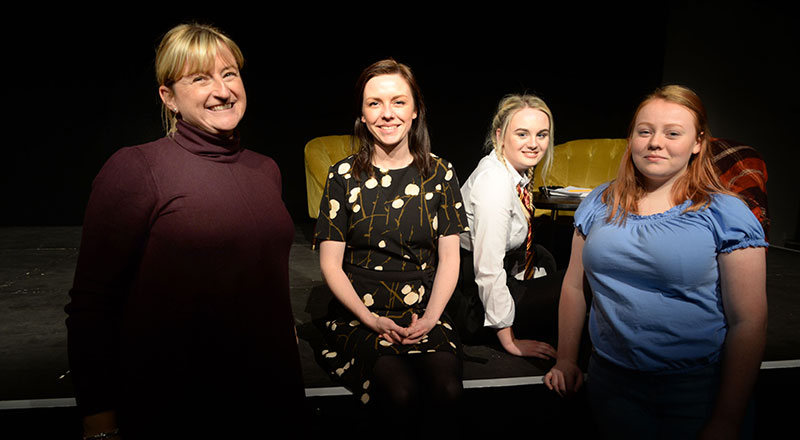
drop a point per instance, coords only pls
(518, 178)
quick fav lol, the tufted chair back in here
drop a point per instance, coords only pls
(585, 163)
(320, 153)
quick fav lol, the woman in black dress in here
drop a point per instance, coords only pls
(389, 221)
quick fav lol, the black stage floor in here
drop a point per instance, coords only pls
(36, 397)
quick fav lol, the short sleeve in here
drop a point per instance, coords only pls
(589, 209)
(734, 224)
(451, 217)
(332, 219)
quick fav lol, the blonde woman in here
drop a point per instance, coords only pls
(508, 285)
(180, 323)
(677, 270)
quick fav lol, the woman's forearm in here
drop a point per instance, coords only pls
(743, 285)
(744, 348)
(446, 276)
(572, 305)
(331, 257)
(571, 317)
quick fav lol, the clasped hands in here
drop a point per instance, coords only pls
(396, 334)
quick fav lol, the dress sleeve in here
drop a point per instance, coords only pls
(115, 230)
(451, 217)
(490, 201)
(735, 225)
(332, 220)
(589, 209)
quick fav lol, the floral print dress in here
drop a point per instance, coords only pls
(391, 222)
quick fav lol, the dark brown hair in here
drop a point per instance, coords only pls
(419, 142)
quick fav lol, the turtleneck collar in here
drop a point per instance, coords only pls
(207, 145)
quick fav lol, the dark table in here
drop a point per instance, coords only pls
(556, 203)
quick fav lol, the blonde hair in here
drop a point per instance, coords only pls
(697, 184)
(187, 49)
(506, 109)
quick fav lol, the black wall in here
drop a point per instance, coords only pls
(83, 87)
(740, 58)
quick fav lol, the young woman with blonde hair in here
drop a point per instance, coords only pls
(508, 286)
(180, 324)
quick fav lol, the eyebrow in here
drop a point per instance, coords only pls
(393, 97)
(669, 126)
(544, 130)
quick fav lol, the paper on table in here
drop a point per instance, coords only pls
(571, 191)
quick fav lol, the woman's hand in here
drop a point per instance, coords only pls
(331, 255)
(387, 329)
(418, 329)
(524, 347)
(720, 429)
(415, 332)
(565, 378)
(104, 422)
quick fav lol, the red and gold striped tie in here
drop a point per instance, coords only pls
(525, 198)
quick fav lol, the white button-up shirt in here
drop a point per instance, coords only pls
(497, 232)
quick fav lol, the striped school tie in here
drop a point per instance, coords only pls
(525, 198)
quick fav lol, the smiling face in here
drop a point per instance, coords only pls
(388, 110)
(213, 100)
(663, 139)
(526, 138)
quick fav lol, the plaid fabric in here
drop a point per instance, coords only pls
(743, 170)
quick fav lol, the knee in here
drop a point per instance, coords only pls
(447, 392)
(401, 397)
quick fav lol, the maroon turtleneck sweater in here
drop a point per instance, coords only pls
(181, 293)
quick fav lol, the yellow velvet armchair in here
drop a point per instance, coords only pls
(585, 163)
(320, 153)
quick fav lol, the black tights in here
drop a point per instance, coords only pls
(420, 387)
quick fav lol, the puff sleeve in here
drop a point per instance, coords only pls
(734, 224)
(590, 209)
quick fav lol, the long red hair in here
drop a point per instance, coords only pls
(697, 184)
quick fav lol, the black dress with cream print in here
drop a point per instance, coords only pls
(391, 222)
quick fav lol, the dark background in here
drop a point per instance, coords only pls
(80, 84)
